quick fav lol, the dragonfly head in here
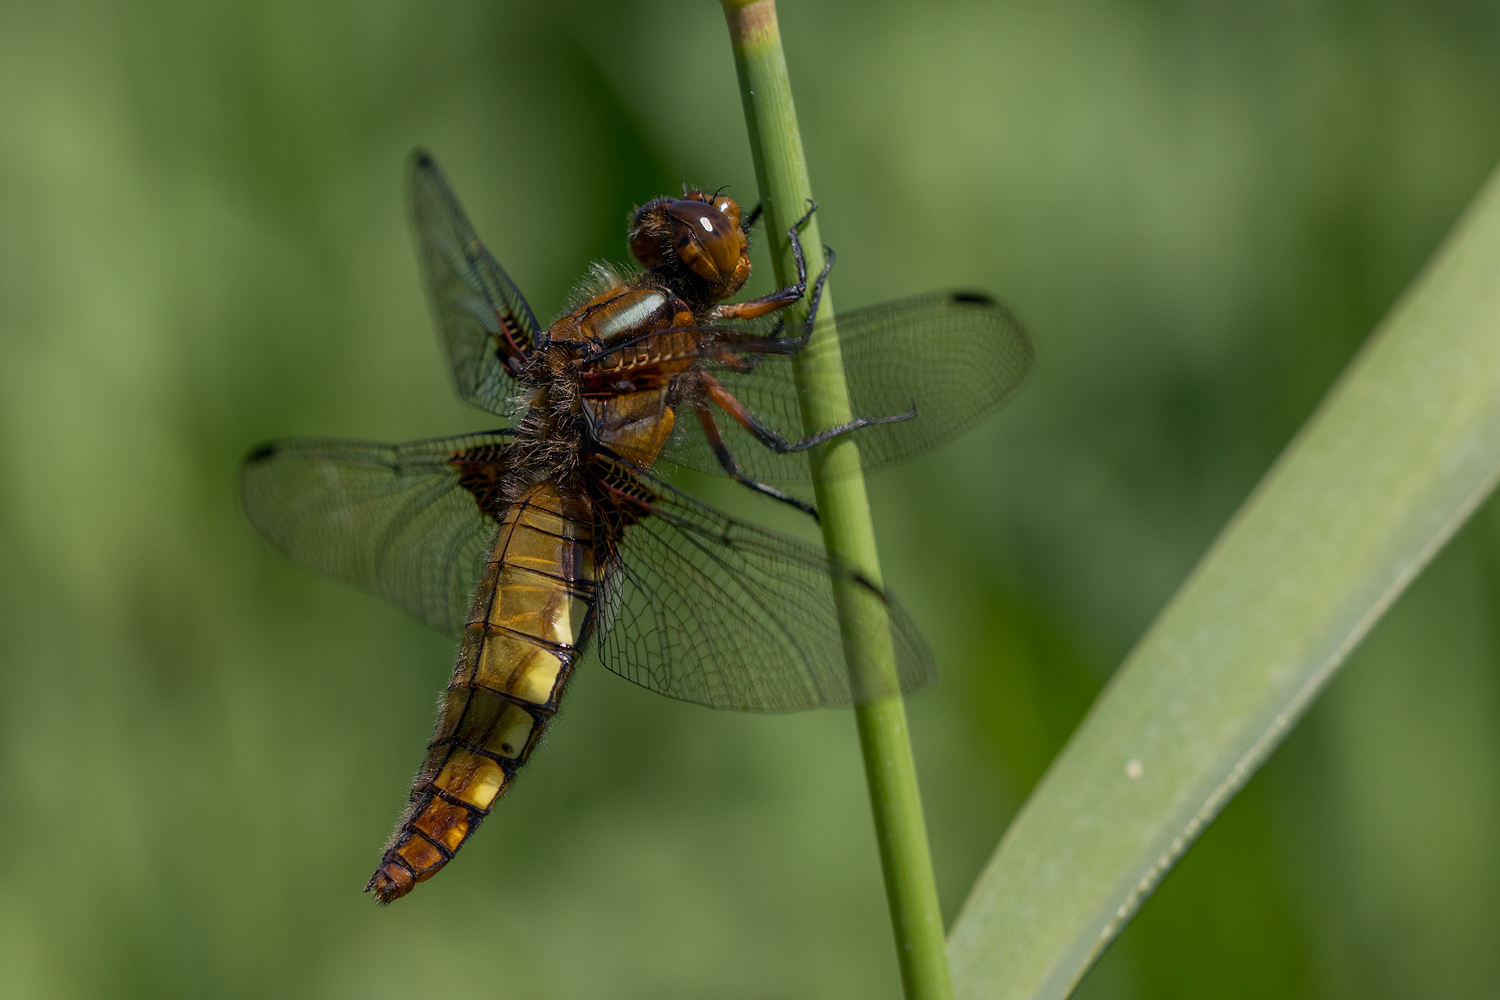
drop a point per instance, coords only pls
(694, 237)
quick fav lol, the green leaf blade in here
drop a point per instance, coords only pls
(1400, 452)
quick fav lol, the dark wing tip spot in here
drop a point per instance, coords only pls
(421, 159)
(973, 298)
(261, 453)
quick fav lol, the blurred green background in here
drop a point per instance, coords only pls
(1199, 207)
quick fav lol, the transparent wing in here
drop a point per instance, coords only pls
(706, 609)
(486, 327)
(955, 357)
(393, 520)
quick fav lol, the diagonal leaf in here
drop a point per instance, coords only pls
(1400, 452)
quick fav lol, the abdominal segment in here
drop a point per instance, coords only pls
(533, 610)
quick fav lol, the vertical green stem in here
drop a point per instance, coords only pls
(781, 173)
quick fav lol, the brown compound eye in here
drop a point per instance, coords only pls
(706, 239)
(730, 208)
(725, 204)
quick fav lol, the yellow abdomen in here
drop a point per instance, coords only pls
(533, 610)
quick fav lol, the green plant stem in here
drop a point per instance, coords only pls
(848, 533)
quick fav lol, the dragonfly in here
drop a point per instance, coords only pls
(555, 534)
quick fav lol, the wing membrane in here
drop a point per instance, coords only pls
(486, 327)
(706, 609)
(955, 357)
(392, 520)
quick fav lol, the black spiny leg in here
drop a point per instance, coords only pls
(766, 436)
(817, 298)
(732, 468)
(791, 294)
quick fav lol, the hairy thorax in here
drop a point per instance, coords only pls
(605, 379)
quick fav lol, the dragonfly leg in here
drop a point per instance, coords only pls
(766, 436)
(783, 297)
(791, 345)
(817, 298)
(752, 218)
(732, 467)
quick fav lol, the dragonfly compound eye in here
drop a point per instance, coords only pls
(706, 240)
(730, 208)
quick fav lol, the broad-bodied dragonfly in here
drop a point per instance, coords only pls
(534, 541)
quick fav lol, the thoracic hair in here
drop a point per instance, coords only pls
(601, 276)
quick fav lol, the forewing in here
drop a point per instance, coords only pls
(390, 519)
(706, 609)
(953, 357)
(485, 325)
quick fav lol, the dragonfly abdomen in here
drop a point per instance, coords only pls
(532, 612)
